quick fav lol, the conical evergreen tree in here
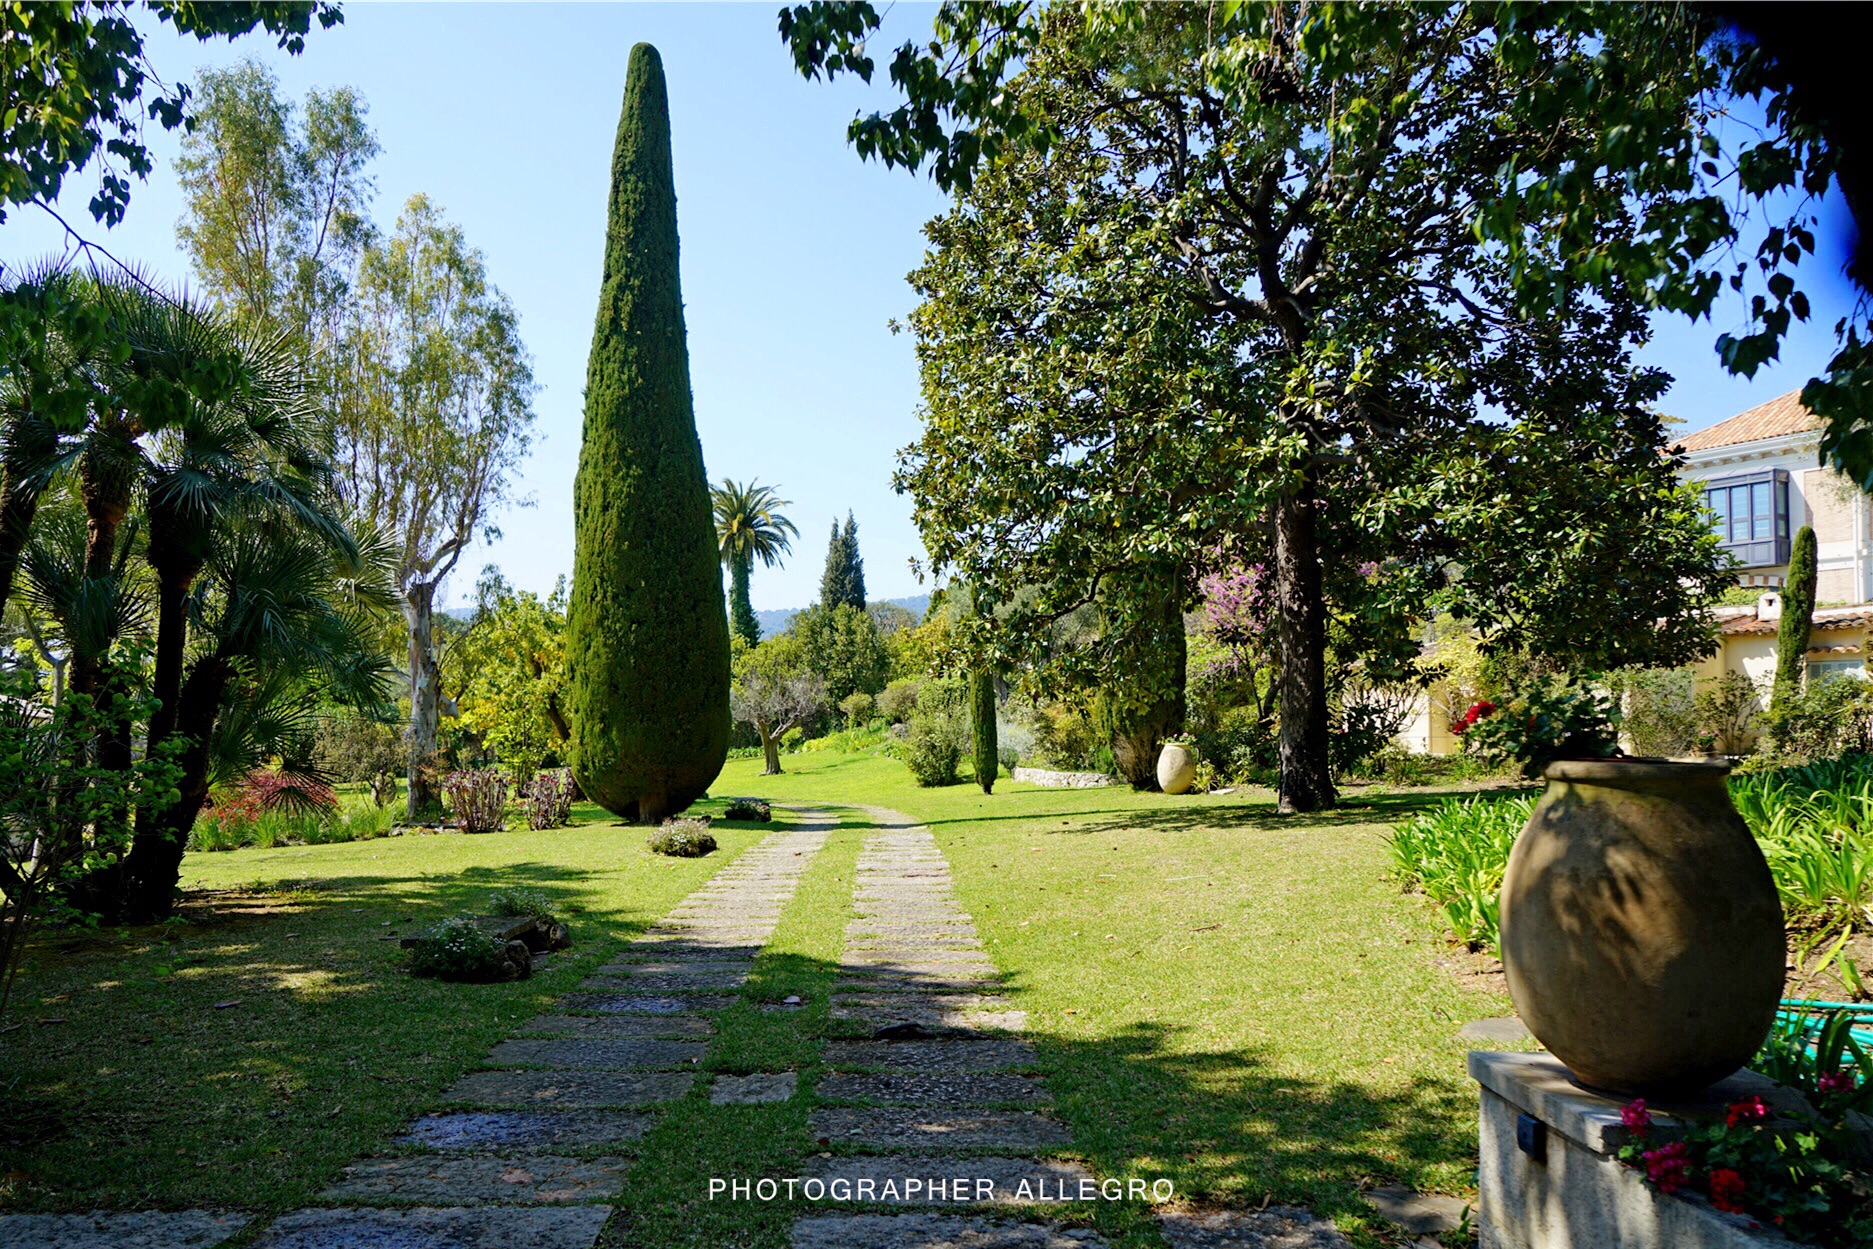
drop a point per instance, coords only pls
(647, 634)
(1791, 642)
(854, 566)
(982, 728)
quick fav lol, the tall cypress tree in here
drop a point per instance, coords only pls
(832, 580)
(1791, 636)
(854, 566)
(982, 728)
(646, 633)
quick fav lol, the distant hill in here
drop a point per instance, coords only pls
(778, 620)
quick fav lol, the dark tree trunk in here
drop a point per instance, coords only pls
(176, 571)
(419, 603)
(1301, 631)
(154, 864)
(770, 753)
(19, 499)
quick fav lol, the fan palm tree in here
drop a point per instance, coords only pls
(749, 526)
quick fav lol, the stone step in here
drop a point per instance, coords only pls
(942, 1010)
(608, 1027)
(636, 1004)
(1285, 1227)
(525, 1129)
(951, 1180)
(99, 1229)
(756, 1089)
(667, 982)
(859, 981)
(960, 1055)
(893, 1127)
(916, 958)
(479, 1227)
(479, 1179)
(896, 1088)
(705, 963)
(575, 1089)
(934, 1231)
(597, 1055)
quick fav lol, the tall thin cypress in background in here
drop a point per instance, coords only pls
(647, 631)
(1791, 635)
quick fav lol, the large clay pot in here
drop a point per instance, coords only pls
(1177, 767)
(1641, 930)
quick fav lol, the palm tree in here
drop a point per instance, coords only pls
(749, 526)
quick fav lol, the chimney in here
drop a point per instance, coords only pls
(1769, 607)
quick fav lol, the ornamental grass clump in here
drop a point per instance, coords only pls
(749, 809)
(459, 949)
(477, 799)
(684, 838)
(520, 902)
(549, 799)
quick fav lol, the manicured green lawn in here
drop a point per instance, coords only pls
(127, 1087)
(1236, 1000)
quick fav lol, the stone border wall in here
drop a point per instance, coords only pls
(1061, 780)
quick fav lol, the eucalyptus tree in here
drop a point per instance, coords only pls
(434, 407)
(749, 525)
(1196, 320)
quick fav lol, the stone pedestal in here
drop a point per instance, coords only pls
(1549, 1177)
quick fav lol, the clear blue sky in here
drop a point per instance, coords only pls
(793, 251)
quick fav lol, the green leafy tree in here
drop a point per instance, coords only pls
(434, 412)
(1635, 96)
(76, 77)
(842, 646)
(277, 199)
(647, 639)
(509, 674)
(843, 582)
(775, 691)
(748, 526)
(1791, 635)
(1192, 320)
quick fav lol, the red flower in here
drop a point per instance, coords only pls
(1749, 1110)
(1726, 1190)
(1636, 1117)
(1477, 711)
(1668, 1166)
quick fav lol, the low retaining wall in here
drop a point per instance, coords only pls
(1550, 1179)
(1061, 780)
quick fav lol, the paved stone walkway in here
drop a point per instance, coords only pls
(938, 1102)
(526, 1153)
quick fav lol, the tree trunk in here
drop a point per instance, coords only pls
(175, 574)
(154, 864)
(19, 502)
(741, 616)
(419, 606)
(105, 489)
(1301, 630)
(770, 751)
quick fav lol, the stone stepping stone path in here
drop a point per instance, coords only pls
(941, 1074)
(524, 1156)
(149, 1229)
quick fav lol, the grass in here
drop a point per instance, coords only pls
(127, 1086)
(1237, 1001)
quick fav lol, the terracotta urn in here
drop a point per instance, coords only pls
(1641, 930)
(1177, 767)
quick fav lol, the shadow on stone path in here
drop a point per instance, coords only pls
(525, 1155)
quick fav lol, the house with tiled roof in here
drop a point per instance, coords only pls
(1762, 480)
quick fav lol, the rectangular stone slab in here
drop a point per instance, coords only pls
(481, 1227)
(610, 1026)
(935, 1231)
(478, 1179)
(898, 1088)
(892, 1127)
(697, 966)
(577, 1089)
(950, 1180)
(674, 982)
(142, 1229)
(642, 1004)
(525, 1129)
(960, 1055)
(597, 1055)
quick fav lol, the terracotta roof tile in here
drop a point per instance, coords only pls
(1782, 415)
(1824, 619)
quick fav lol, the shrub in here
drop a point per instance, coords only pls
(1365, 720)
(856, 708)
(686, 838)
(459, 949)
(549, 799)
(352, 747)
(477, 799)
(1010, 759)
(647, 644)
(1822, 719)
(518, 902)
(1659, 710)
(1544, 719)
(1066, 738)
(748, 809)
(932, 752)
(1725, 710)
(898, 700)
